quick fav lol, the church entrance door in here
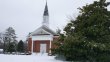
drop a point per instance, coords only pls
(42, 48)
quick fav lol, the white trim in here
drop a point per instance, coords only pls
(42, 37)
(50, 46)
(46, 32)
(39, 30)
(36, 31)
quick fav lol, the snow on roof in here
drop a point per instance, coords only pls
(46, 31)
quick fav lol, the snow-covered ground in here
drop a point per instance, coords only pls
(28, 58)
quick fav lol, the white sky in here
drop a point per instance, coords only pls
(26, 15)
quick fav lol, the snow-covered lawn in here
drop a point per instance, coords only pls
(28, 58)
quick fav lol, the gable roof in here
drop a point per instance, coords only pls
(43, 30)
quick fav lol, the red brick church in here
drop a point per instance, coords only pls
(40, 40)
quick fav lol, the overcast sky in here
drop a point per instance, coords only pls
(26, 15)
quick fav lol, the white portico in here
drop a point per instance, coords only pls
(42, 40)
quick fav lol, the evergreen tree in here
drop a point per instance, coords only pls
(10, 34)
(11, 48)
(20, 47)
(90, 38)
(9, 37)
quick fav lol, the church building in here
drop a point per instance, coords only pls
(41, 40)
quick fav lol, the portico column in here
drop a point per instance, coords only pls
(50, 46)
(32, 47)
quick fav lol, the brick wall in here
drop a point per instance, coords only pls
(29, 44)
(36, 46)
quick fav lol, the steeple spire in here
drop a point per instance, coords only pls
(46, 16)
(46, 10)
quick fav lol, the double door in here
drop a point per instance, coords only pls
(43, 48)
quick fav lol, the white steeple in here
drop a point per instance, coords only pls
(46, 16)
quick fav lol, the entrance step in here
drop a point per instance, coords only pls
(40, 54)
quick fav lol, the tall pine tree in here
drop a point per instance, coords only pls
(9, 37)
